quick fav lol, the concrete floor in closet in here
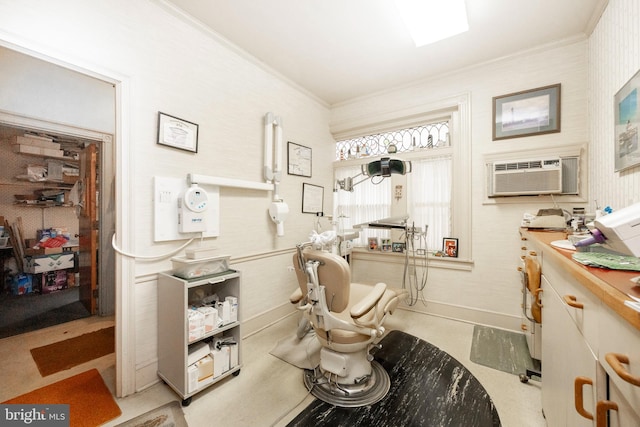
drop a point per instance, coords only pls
(268, 391)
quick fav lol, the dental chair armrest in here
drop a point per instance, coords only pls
(369, 302)
(296, 297)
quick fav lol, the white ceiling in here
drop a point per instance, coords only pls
(343, 49)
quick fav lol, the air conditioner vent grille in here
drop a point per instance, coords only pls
(534, 164)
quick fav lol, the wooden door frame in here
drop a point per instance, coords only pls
(122, 154)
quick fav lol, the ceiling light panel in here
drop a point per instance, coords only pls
(431, 20)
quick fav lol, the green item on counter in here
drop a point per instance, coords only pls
(605, 260)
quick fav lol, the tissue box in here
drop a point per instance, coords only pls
(210, 318)
(196, 324)
(205, 370)
(197, 352)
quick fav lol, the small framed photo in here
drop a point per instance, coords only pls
(627, 121)
(397, 247)
(298, 160)
(312, 198)
(385, 245)
(450, 247)
(177, 133)
(527, 113)
(374, 244)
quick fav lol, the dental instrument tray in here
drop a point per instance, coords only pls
(186, 268)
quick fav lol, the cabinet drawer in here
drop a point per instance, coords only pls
(583, 307)
(625, 415)
(619, 338)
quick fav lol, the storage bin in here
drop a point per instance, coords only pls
(185, 268)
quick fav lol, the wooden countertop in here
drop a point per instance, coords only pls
(610, 286)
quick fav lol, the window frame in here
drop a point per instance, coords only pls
(456, 109)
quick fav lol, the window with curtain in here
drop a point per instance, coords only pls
(370, 201)
(428, 187)
(429, 198)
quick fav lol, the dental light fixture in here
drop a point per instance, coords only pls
(384, 167)
(431, 20)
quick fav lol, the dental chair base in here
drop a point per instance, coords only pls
(365, 390)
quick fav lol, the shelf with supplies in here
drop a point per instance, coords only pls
(199, 342)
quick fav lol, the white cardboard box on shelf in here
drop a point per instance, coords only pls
(220, 361)
(51, 262)
(192, 378)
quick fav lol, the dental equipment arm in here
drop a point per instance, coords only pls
(384, 167)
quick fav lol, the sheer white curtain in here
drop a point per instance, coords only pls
(369, 201)
(429, 197)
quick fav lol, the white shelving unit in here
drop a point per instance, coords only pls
(174, 296)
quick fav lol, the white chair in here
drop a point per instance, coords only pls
(347, 319)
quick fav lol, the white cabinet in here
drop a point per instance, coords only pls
(175, 297)
(572, 380)
(620, 357)
(590, 344)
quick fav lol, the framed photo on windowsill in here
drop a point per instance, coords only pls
(527, 113)
(450, 247)
(374, 243)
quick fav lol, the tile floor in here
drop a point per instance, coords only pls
(268, 391)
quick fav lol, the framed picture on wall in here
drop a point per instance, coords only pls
(312, 198)
(177, 133)
(298, 160)
(527, 113)
(627, 119)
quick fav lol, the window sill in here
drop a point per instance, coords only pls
(363, 254)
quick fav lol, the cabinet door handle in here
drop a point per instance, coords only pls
(602, 407)
(578, 383)
(571, 302)
(615, 360)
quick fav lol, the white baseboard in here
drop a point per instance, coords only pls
(267, 318)
(467, 314)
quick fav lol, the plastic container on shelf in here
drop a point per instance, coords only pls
(186, 268)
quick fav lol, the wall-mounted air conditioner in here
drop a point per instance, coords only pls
(535, 176)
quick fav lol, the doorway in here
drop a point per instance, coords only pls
(83, 210)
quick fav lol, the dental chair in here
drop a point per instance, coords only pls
(347, 319)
